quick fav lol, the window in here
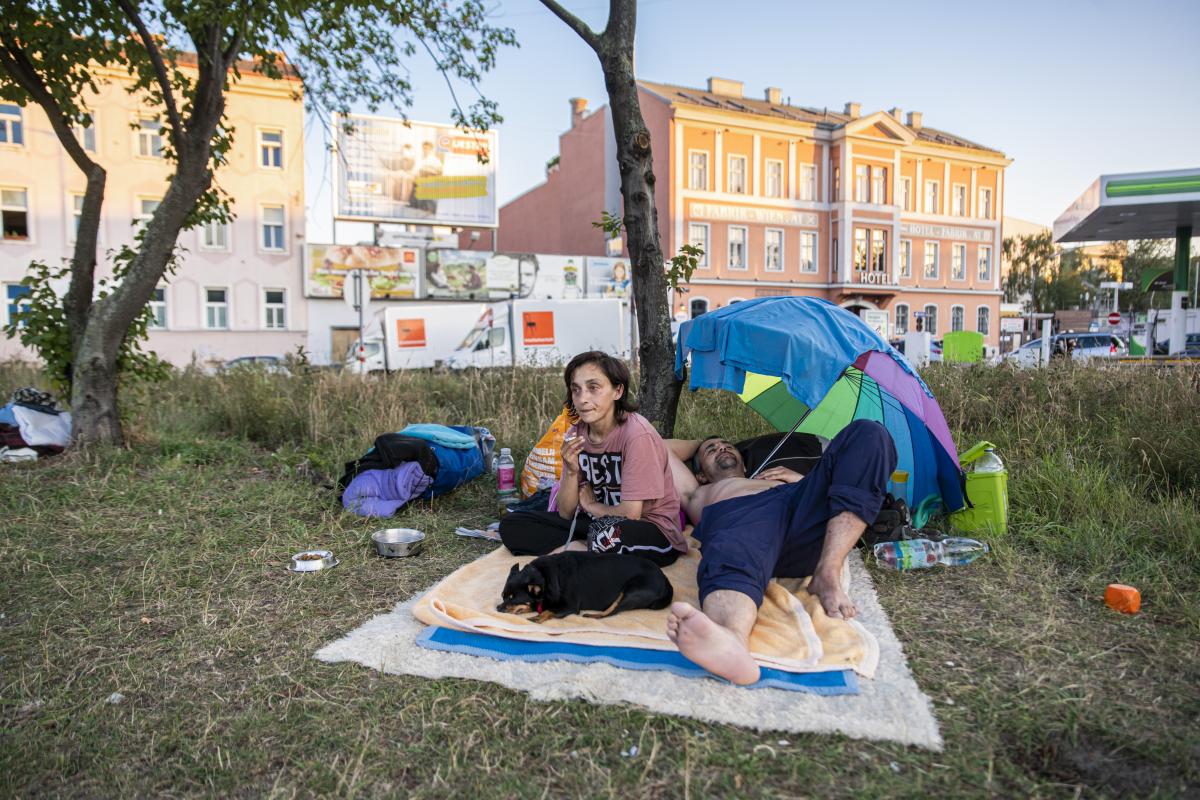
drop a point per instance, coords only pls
(956, 318)
(861, 183)
(931, 259)
(984, 209)
(158, 307)
(76, 200)
(86, 136)
(737, 247)
(901, 323)
(698, 237)
(14, 294)
(982, 319)
(774, 251)
(698, 307)
(14, 214)
(774, 180)
(214, 235)
(216, 309)
(985, 262)
(149, 138)
(933, 199)
(698, 170)
(274, 309)
(270, 149)
(145, 212)
(736, 180)
(878, 250)
(808, 252)
(808, 182)
(958, 263)
(836, 261)
(837, 187)
(959, 204)
(272, 229)
(12, 131)
(860, 248)
(906, 194)
(879, 185)
(931, 312)
(905, 258)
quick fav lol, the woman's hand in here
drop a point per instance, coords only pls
(571, 448)
(780, 474)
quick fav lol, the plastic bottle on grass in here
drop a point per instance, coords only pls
(506, 479)
(923, 553)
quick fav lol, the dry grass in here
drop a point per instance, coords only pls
(190, 614)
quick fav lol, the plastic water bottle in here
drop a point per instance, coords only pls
(923, 553)
(506, 479)
(989, 462)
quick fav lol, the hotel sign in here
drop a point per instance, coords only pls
(926, 231)
(874, 277)
(764, 216)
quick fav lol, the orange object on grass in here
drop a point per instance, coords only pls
(1120, 597)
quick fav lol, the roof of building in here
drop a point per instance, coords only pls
(824, 119)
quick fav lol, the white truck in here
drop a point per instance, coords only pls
(544, 333)
(413, 336)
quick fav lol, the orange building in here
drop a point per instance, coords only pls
(874, 212)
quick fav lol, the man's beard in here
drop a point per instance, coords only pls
(728, 465)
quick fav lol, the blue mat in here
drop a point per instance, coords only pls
(502, 649)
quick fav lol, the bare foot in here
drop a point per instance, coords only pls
(835, 601)
(717, 649)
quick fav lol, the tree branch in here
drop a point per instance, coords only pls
(160, 74)
(575, 24)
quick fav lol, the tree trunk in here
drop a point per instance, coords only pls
(94, 416)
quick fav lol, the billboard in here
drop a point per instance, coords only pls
(394, 271)
(608, 277)
(552, 277)
(389, 170)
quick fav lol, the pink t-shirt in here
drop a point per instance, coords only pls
(631, 464)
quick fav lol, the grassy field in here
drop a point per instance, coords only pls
(158, 572)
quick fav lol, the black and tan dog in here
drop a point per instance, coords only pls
(590, 584)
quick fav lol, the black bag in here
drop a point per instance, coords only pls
(893, 523)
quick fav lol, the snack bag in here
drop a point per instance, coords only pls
(544, 465)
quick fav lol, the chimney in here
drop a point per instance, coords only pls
(897, 113)
(578, 107)
(725, 86)
(774, 95)
(914, 120)
(853, 110)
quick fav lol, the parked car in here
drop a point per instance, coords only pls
(1082, 346)
(935, 348)
(266, 363)
(1191, 346)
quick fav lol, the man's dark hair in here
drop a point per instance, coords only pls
(617, 373)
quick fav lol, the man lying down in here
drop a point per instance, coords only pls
(778, 525)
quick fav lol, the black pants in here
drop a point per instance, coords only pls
(535, 533)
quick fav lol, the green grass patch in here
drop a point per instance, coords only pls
(158, 571)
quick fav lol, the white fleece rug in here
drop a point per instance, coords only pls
(889, 707)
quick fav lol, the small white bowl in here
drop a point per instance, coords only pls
(313, 561)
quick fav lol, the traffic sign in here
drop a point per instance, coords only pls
(1114, 319)
(1122, 285)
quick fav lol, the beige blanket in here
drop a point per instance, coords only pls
(793, 632)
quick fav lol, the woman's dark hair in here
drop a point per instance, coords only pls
(617, 373)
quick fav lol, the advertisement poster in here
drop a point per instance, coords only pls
(387, 170)
(608, 277)
(393, 271)
(554, 278)
(470, 275)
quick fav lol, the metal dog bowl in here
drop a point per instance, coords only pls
(313, 561)
(398, 542)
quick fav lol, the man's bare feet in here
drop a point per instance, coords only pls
(835, 601)
(717, 649)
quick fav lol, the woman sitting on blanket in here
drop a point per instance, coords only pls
(616, 487)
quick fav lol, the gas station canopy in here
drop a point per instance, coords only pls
(1136, 205)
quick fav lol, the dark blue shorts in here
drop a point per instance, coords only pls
(779, 533)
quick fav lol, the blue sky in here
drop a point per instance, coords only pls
(1068, 89)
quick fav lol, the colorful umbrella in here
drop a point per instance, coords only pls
(788, 357)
